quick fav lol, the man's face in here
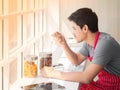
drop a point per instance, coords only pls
(78, 33)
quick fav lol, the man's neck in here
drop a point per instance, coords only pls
(91, 38)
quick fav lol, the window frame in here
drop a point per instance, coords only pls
(8, 55)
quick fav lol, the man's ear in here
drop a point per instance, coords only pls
(85, 28)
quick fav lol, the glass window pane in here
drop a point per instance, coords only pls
(0, 78)
(38, 4)
(13, 71)
(5, 76)
(28, 5)
(28, 27)
(13, 26)
(47, 44)
(29, 50)
(38, 23)
(0, 40)
(0, 30)
(38, 46)
(11, 6)
(0, 7)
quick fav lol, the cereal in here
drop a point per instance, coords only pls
(30, 68)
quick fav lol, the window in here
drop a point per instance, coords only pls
(1, 45)
(25, 28)
(22, 29)
(0, 30)
(1, 78)
(0, 39)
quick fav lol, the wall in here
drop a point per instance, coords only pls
(107, 10)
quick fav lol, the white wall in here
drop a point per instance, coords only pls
(107, 10)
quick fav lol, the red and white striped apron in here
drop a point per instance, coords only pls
(106, 80)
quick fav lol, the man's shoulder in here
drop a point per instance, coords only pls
(106, 38)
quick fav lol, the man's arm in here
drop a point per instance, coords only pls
(72, 56)
(83, 77)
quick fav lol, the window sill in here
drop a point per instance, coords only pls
(27, 81)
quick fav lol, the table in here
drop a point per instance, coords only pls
(28, 81)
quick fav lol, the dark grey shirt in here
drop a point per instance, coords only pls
(106, 54)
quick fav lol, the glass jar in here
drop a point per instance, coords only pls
(45, 59)
(30, 66)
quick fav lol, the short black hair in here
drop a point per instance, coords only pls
(85, 16)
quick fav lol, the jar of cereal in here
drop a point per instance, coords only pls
(45, 59)
(30, 66)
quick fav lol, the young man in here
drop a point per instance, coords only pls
(100, 48)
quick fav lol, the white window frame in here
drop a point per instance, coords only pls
(0, 31)
(9, 54)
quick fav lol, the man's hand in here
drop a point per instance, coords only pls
(47, 72)
(59, 38)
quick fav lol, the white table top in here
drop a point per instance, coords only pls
(28, 81)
